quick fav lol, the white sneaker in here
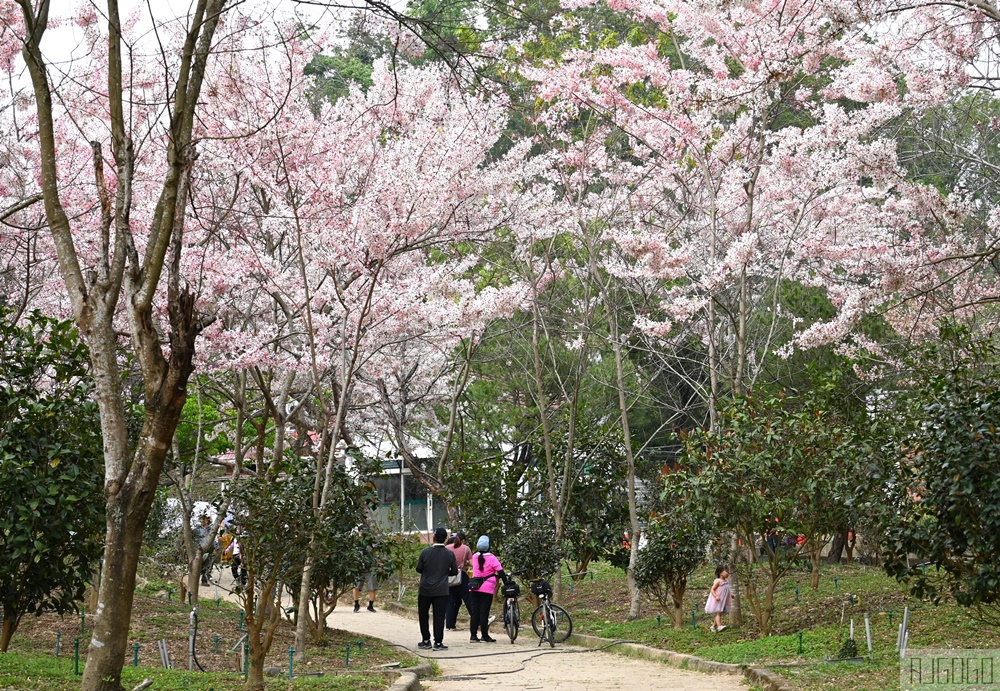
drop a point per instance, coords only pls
(722, 628)
(491, 620)
(712, 629)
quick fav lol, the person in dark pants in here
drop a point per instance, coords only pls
(487, 568)
(459, 593)
(434, 565)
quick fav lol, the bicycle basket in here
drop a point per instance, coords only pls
(541, 587)
(512, 589)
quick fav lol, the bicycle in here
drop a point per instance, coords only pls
(549, 621)
(511, 611)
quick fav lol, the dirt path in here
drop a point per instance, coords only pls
(521, 665)
(524, 665)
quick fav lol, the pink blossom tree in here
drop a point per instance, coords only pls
(115, 144)
(749, 151)
(359, 230)
(233, 204)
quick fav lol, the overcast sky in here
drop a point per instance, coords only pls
(64, 42)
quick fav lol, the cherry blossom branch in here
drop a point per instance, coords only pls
(20, 206)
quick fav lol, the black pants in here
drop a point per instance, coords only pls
(480, 612)
(440, 603)
(239, 573)
(457, 595)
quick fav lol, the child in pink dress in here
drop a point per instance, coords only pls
(718, 598)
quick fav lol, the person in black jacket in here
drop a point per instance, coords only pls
(434, 565)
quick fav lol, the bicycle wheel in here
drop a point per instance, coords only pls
(541, 622)
(562, 624)
(510, 619)
(537, 621)
(559, 620)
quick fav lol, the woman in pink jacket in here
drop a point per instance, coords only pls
(488, 568)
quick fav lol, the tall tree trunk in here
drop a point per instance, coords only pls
(114, 610)
(319, 502)
(677, 595)
(814, 559)
(7, 629)
(256, 619)
(129, 499)
(194, 577)
(542, 403)
(735, 613)
(611, 314)
(768, 608)
(567, 481)
(611, 311)
(130, 490)
(837, 547)
(255, 673)
(305, 591)
(131, 477)
(633, 509)
(264, 617)
(336, 423)
(713, 348)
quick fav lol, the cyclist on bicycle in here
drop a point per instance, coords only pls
(486, 569)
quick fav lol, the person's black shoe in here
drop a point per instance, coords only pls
(371, 608)
(473, 639)
(487, 639)
(357, 606)
(424, 644)
(440, 646)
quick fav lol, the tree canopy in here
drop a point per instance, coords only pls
(521, 245)
(51, 517)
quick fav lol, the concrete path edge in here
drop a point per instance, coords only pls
(764, 678)
(409, 679)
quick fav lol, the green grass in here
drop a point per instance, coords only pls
(877, 676)
(153, 586)
(600, 605)
(28, 672)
